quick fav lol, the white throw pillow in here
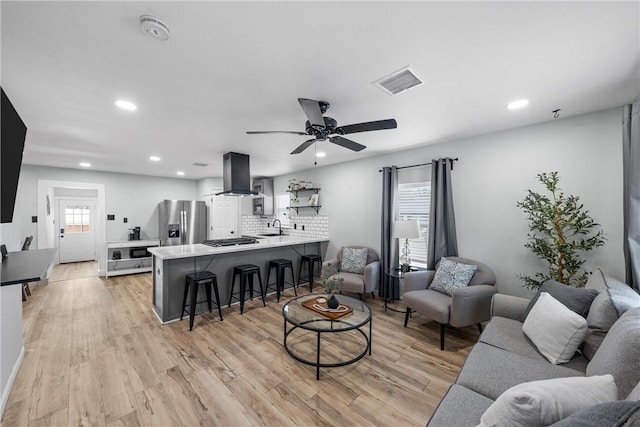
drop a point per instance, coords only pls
(555, 330)
(544, 402)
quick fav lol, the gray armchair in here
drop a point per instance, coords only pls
(357, 283)
(469, 305)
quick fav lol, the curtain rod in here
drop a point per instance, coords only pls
(421, 164)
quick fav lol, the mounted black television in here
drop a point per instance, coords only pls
(12, 138)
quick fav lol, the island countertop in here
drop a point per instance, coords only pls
(199, 249)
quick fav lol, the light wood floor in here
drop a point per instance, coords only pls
(97, 355)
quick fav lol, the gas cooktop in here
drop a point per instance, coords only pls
(230, 242)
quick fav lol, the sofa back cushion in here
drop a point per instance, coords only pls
(577, 300)
(619, 354)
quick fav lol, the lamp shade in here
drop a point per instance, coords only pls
(406, 229)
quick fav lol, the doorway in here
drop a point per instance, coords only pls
(76, 230)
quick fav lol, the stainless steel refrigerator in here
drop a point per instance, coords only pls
(182, 222)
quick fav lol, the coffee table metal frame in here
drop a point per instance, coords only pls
(301, 317)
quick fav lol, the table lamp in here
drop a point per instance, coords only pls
(406, 229)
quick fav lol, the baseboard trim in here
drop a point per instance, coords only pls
(7, 390)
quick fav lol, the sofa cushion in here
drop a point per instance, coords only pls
(617, 413)
(435, 305)
(577, 300)
(635, 393)
(507, 334)
(555, 330)
(354, 260)
(544, 402)
(490, 371)
(623, 297)
(619, 353)
(451, 275)
(448, 412)
(602, 313)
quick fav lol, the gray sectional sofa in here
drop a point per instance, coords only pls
(505, 357)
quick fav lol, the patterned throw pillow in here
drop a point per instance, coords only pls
(451, 275)
(354, 260)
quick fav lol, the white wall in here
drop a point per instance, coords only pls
(493, 173)
(135, 197)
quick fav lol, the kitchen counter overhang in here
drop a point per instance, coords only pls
(199, 249)
(171, 264)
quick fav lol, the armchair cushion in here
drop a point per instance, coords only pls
(354, 260)
(451, 275)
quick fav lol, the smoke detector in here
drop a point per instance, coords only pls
(154, 27)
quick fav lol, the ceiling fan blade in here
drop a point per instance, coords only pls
(312, 110)
(303, 146)
(347, 143)
(367, 126)
(258, 132)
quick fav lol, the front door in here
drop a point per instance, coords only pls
(76, 230)
(224, 221)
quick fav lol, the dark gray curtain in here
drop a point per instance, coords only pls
(631, 173)
(389, 245)
(442, 222)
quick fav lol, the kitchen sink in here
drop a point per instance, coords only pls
(271, 234)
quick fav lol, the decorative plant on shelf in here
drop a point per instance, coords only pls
(561, 231)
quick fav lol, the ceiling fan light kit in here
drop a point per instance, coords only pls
(324, 128)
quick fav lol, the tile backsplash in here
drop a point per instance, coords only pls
(314, 225)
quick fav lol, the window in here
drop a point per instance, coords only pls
(414, 200)
(76, 219)
(283, 201)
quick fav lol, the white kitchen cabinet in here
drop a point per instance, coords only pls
(127, 257)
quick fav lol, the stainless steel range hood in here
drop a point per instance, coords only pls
(236, 179)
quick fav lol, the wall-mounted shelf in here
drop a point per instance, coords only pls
(315, 190)
(317, 208)
(303, 190)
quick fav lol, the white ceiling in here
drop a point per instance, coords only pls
(230, 67)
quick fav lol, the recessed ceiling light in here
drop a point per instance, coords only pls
(126, 105)
(85, 165)
(180, 173)
(514, 105)
(154, 158)
(321, 154)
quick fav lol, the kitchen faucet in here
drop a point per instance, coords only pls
(279, 225)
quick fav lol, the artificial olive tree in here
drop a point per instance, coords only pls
(561, 231)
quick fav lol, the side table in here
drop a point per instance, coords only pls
(396, 276)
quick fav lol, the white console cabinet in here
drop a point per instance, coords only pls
(129, 257)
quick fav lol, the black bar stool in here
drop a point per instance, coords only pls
(312, 261)
(192, 284)
(246, 272)
(280, 265)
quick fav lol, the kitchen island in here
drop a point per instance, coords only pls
(172, 263)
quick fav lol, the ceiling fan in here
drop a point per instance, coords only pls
(323, 128)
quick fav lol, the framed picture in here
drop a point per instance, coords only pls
(313, 200)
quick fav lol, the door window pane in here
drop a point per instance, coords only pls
(77, 219)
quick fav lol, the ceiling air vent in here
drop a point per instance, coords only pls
(399, 81)
(202, 165)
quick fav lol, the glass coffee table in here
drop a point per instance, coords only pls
(300, 316)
